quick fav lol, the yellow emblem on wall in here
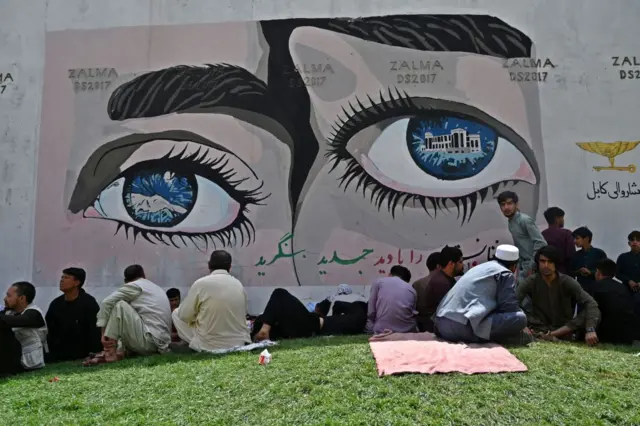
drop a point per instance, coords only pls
(610, 150)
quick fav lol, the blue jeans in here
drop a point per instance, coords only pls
(503, 326)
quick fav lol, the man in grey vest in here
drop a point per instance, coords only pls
(482, 306)
(23, 331)
(135, 318)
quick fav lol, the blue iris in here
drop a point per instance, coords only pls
(450, 148)
(159, 198)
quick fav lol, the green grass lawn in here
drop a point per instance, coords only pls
(329, 381)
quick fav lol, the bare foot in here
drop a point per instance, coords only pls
(110, 356)
(261, 335)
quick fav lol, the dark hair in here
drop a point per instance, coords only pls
(550, 252)
(77, 273)
(220, 259)
(172, 293)
(583, 232)
(450, 254)
(634, 235)
(132, 273)
(552, 213)
(26, 289)
(400, 272)
(506, 196)
(323, 307)
(607, 267)
(433, 261)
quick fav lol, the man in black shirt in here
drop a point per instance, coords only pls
(629, 271)
(629, 263)
(71, 319)
(618, 321)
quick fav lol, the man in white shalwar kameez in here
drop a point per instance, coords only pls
(213, 316)
(134, 318)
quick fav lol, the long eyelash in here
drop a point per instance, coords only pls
(241, 230)
(361, 117)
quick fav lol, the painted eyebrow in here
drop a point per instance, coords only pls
(184, 88)
(103, 165)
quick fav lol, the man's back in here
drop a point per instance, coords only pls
(422, 304)
(617, 309)
(473, 297)
(392, 306)
(561, 239)
(154, 309)
(217, 307)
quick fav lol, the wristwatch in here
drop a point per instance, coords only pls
(591, 330)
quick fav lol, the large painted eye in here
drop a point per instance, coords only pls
(192, 194)
(415, 154)
(426, 153)
(153, 199)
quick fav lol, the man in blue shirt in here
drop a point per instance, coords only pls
(583, 263)
(482, 306)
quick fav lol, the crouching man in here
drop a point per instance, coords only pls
(135, 318)
(554, 297)
(482, 306)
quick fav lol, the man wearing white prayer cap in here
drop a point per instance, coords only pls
(482, 306)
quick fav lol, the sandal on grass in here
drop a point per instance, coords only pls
(96, 360)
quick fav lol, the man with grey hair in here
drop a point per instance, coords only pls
(482, 306)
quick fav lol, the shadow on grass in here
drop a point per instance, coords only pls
(76, 368)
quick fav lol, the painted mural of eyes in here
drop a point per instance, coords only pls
(422, 152)
(181, 197)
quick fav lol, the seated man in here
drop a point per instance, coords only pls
(482, 306)
(392, 303)
(286, 317)
(72, 318)
(442, 281)
(424, 317)
(173, 294)
(583, 263)
(135, 318)
(619, 321)
(552, 296)
(23, 331)
(213, 315)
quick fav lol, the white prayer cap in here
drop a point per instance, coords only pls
(508, 253)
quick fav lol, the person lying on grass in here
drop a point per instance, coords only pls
(135, 318)
(482, 306)
(552, 295)
(286, 317)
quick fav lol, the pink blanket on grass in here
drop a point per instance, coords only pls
(397, 353)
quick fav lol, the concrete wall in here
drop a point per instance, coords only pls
(85, 83)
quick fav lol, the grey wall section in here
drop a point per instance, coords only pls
(583, 99)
